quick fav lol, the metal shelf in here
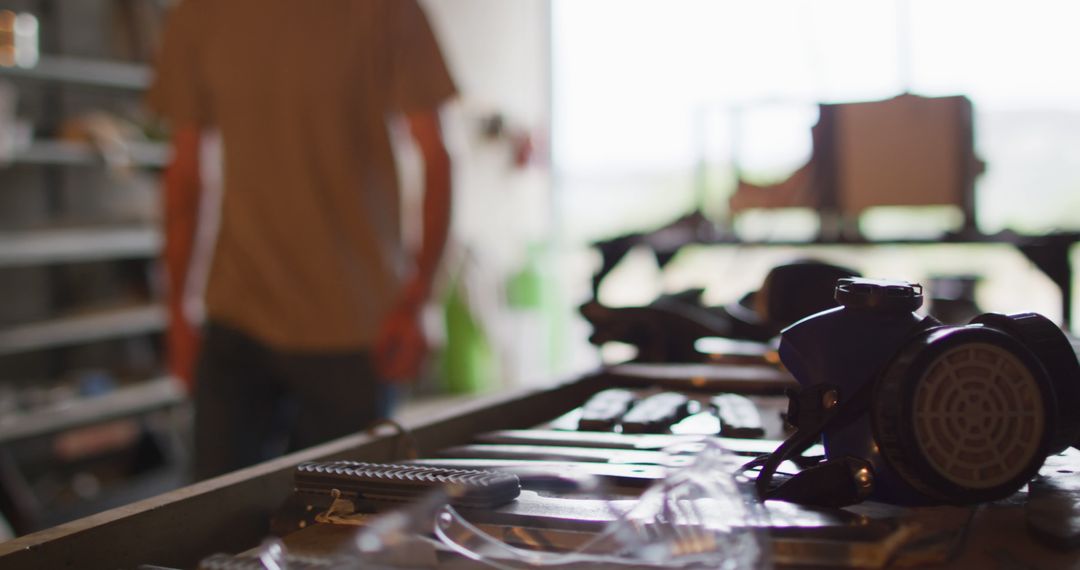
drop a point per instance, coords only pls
(128, 401)
(91, 327)
(40, 247)
(67, 153)
(87, 72)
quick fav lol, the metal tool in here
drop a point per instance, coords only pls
(618, 475)
(623, 475)
(638, 442)
(555, 453)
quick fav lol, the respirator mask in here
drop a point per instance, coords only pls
(914, 412)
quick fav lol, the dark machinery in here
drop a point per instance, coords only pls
(915, 412)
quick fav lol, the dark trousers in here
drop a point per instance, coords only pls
(253, 403)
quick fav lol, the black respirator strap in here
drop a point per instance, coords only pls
(838, 482)
(832, 483)
(792, 446)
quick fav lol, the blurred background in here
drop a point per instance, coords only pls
(579, 121)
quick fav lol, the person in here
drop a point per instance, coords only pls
(312, 303)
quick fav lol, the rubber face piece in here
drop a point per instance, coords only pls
(964, 415)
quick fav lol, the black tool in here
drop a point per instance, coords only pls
(604, 409)
(739, 417)
(666, 329)
(656, 413)
(395, 483)
(663, 331)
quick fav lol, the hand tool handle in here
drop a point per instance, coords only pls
(389, 482)
(604, 409)
(656, 413)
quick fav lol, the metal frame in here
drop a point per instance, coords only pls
(232, 513)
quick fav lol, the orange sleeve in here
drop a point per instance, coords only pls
(181, 209)
(179, 94)
(436, 209)
(419, 78)
(178, 91)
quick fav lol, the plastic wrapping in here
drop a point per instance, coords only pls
(701, 516)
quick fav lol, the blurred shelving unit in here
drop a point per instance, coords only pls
(84, 72)
(72, 245)
(88, 417)
(64, 153)
(84, 328)
(147, 396)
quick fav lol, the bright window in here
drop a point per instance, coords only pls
(644, 89)
(655, 102)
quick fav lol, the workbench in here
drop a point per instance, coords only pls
(232, 513)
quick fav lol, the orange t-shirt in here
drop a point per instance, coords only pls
(309, 251)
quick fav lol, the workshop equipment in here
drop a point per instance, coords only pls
(914, 412)
(666, 330)
(231, 514)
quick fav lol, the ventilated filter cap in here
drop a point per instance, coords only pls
(964, 414)
(879, 295)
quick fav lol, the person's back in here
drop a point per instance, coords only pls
(309, 256)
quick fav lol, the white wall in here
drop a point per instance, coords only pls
(499, 55)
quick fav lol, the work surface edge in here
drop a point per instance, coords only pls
(232, 512)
